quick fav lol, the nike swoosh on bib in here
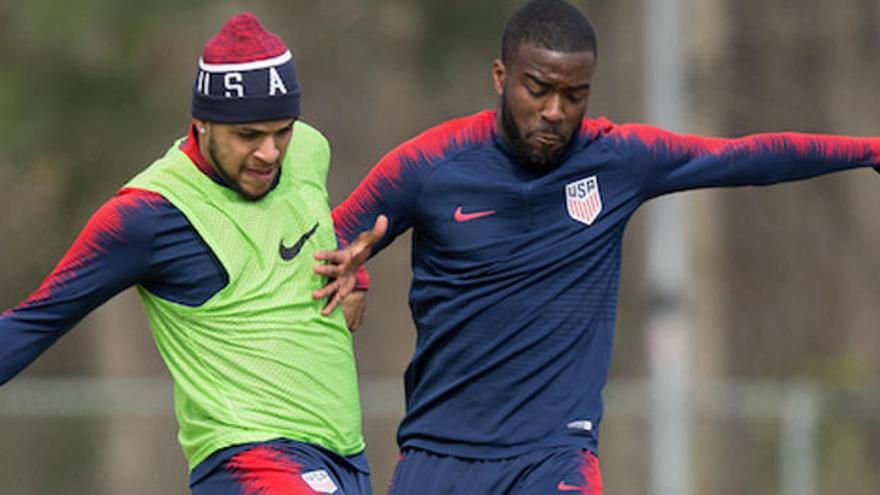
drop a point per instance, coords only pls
(288, 253)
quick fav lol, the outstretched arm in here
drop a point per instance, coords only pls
(105, 258)
(669, 162)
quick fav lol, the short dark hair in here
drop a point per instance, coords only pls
(552, 24)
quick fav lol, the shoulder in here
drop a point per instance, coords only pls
(602, 128)
(446, 140)
(308, 137)
(476, 128)
(305, 131)
(124, 227)
(599, 128)
(625, 139)
(308, 143)
(309, 150)
(133, 203)
(136, 213)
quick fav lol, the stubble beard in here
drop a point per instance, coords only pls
(534, 159)
(212, 153)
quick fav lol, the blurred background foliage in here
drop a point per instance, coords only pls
(784, 284)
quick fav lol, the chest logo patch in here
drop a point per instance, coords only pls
(583, 201)
(461, 217)
(288, 253)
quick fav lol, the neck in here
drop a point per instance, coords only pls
(190, 147)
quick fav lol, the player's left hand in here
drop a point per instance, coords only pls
(341, 265)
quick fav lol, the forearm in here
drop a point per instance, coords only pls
(25, 333)
(678, 162)
(108, 256)
(64, 298)
(359, 212)
(772, 158)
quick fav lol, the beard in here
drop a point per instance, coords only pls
(212, 153)
(534, 158)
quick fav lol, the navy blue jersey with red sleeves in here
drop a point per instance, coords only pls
(137, 237)
(515, 274)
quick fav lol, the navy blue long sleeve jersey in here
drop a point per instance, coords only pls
(137, 237)
(515, 275)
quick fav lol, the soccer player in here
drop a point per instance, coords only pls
(518, 216)
(218, 236)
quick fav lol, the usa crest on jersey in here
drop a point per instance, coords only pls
(583, 201)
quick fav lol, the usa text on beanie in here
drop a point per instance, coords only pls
(246, 74)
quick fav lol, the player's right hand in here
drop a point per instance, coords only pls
(341, 265)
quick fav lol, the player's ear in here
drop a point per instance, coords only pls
(499, 74)
(200, 125)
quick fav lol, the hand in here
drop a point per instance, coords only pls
(342, 264)
(355, 307)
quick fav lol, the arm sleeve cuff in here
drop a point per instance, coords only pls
(362, 279)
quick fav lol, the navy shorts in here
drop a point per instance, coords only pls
(552, 471)
(280, 467)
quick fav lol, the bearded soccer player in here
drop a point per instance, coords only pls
(218, 236)
(518, 216)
